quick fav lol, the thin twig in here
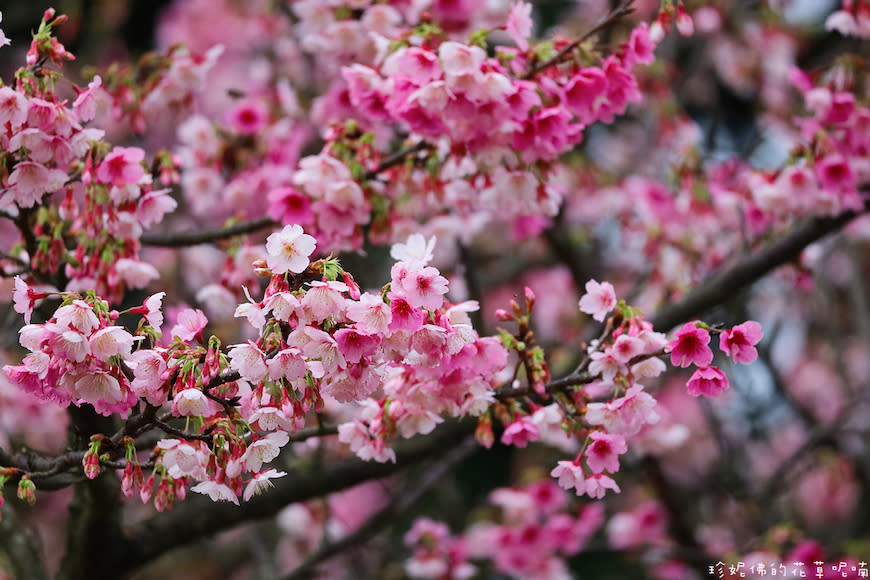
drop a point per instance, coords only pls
(622, 10)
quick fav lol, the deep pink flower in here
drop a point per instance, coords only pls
(122, 166)
(709, 381)
(602, 453)
(247, 117)
(690, 346)
(288, 206)
(354, 345)
(740, 341)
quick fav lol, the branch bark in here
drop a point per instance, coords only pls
(199, 517)
(720, 288)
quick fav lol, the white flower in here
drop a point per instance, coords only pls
(288, 250)
(261, 482)
(416, 252)
(216, 491)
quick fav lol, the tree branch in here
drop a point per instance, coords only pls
(182, 239)
(198, 516)
(720, 288)
(386, 516)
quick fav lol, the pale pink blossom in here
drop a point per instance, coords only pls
(153, 313)
(598, 300)
(86, 102)
(261, 482)
(288, 250)
(519, 24)
(416, 253)
(182, 458)
(264, 450)
(13, 107)
(190, 403)
(216, 491)
(94, 386)
(111, 341)
(30, 180)
(597, 485)
(67, 344)
(520, 433)
(135, 273)
(249, 361)
(371, 314)
(190, 325)
(148, 369)
(287, 364)
(24, 298)
(570, 475)
(78, 315)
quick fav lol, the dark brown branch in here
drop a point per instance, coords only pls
(720, 288)
(386, 516)
(182, 239)
(198, 517)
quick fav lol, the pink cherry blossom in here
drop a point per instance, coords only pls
(122, 166)
(598, 300)
(288, 250)
(355, 345)
(216, 491)
(30, 180)
(739, 342)
(249, 361)
(708, 381)
(520, 433)
(190, 403)
(690, 347)
(371, 314)
(78, 315)
(424, 288)
(570, 475)
(265, 449)
(111, 341)
(261, 482)
(597, 485)
(247, 117)
(287, 364)
(603, 451)
(190, 325)
(519, 24)
(24, 298)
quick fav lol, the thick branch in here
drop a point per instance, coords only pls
(181, 239)
(386, 516)
(720, 288)
(198, 516)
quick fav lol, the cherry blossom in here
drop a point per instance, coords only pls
(289, 250)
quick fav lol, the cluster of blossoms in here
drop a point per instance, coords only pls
(104, 198)
(537, 530)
